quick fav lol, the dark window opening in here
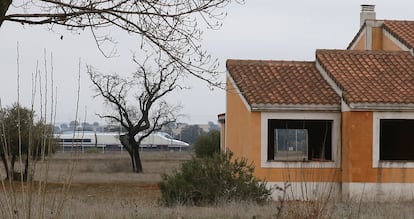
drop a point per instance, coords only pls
(396, 139)
(299, 140)
(77, 140)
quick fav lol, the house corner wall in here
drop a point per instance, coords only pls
(361, 179)
(357, 147)
(242, 127)
(223, 135)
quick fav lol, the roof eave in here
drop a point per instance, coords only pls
(404, 45)
(294, 107)
(237, 90)
(356, 37)
(391, 107)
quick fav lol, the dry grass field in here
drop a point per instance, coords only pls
(102, 186)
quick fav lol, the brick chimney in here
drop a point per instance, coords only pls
(367, 13)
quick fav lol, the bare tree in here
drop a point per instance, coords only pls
(137, 102)
(172, 28)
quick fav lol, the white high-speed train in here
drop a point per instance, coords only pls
(110, 140)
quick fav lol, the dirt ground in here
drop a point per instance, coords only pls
(109, 174)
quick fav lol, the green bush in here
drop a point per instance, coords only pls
(207, 145)
(211, 180)
(92, 150)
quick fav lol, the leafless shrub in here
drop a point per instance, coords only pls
(280, 205)
(27, 197)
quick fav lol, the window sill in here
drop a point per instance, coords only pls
(300, 164)
(302, 161)
(395, 164)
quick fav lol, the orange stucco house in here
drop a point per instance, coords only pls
(343, 123)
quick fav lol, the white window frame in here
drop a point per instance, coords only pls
(376, 162)
(336, 140)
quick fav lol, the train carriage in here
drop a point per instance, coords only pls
(110, 141)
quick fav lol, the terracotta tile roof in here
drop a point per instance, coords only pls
(371, 76)
(402, 30)
(281, 83)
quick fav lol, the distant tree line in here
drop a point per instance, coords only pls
(190, 133)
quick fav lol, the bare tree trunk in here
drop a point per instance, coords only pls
(136, 159)
(6, 166)
(132, 147)
(4, 6)
(12, 162)
(26, 168)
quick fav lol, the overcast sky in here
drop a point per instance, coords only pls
(259, 29)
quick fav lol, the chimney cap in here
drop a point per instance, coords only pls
(366, 7)
(367, 13)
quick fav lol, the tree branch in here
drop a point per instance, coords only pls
(4, 6)
(170, 28)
